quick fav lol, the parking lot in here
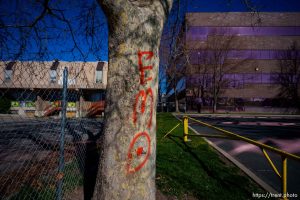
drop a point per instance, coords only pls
(29, 149)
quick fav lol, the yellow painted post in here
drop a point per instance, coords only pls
(284, 177)
(271, 163)
(185, 128)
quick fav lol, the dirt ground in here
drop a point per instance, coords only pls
(78, 195)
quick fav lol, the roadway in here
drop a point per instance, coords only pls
(282, 132)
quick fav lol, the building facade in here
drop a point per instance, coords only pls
(249, 47)
(35, 88)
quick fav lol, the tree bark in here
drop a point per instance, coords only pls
(215, 106)
(176, 104)
(128, 145)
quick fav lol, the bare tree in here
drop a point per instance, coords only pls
(173, 50)
(128, 146)
(177, 67)
(289, 75)
(213, 63)
(32, 32)
(162, 78)
(199, 84)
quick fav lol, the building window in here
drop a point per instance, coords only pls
(53, 75)
(53, 71)
(8, 71)
(8, 75)
(99, 75)
(99, 72)
(253, 78)
(201, 32)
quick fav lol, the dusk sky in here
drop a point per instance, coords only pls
(60, 48)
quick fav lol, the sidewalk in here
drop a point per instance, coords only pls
(242, 115)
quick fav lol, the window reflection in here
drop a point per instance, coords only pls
(233, 80)
(200, 33)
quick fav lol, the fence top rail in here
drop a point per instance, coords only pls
(256, 143)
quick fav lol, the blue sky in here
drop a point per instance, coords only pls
(51, 35)
(62, 46)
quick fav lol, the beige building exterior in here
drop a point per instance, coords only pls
(37, 75)
(35, 87)
(258, 41)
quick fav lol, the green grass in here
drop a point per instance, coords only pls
(194, 168)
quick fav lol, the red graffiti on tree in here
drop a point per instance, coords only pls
(138, 156)
(143, 68)
(132, 166)
(139, 151)
(142, 95)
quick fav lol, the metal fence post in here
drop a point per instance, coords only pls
(185, 129)
(61, 166)
(284, 178)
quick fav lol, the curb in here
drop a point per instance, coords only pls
(249, 173)
(239, 115)
(255, 178)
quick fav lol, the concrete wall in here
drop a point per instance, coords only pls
(242, 19)
(252, 90)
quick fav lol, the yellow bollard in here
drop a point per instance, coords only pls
(185, 129)
(284, 177)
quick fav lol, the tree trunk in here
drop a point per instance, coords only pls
(215, 99)
(176, 100)
(161, 104)
(214, 92)
(215, 106)
(176, 105)
(128, 145)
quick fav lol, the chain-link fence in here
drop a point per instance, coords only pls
(50, 118)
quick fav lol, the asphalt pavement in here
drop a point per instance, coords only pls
(29, 149)
(282, 132)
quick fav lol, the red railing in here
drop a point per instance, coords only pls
(96, 108)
